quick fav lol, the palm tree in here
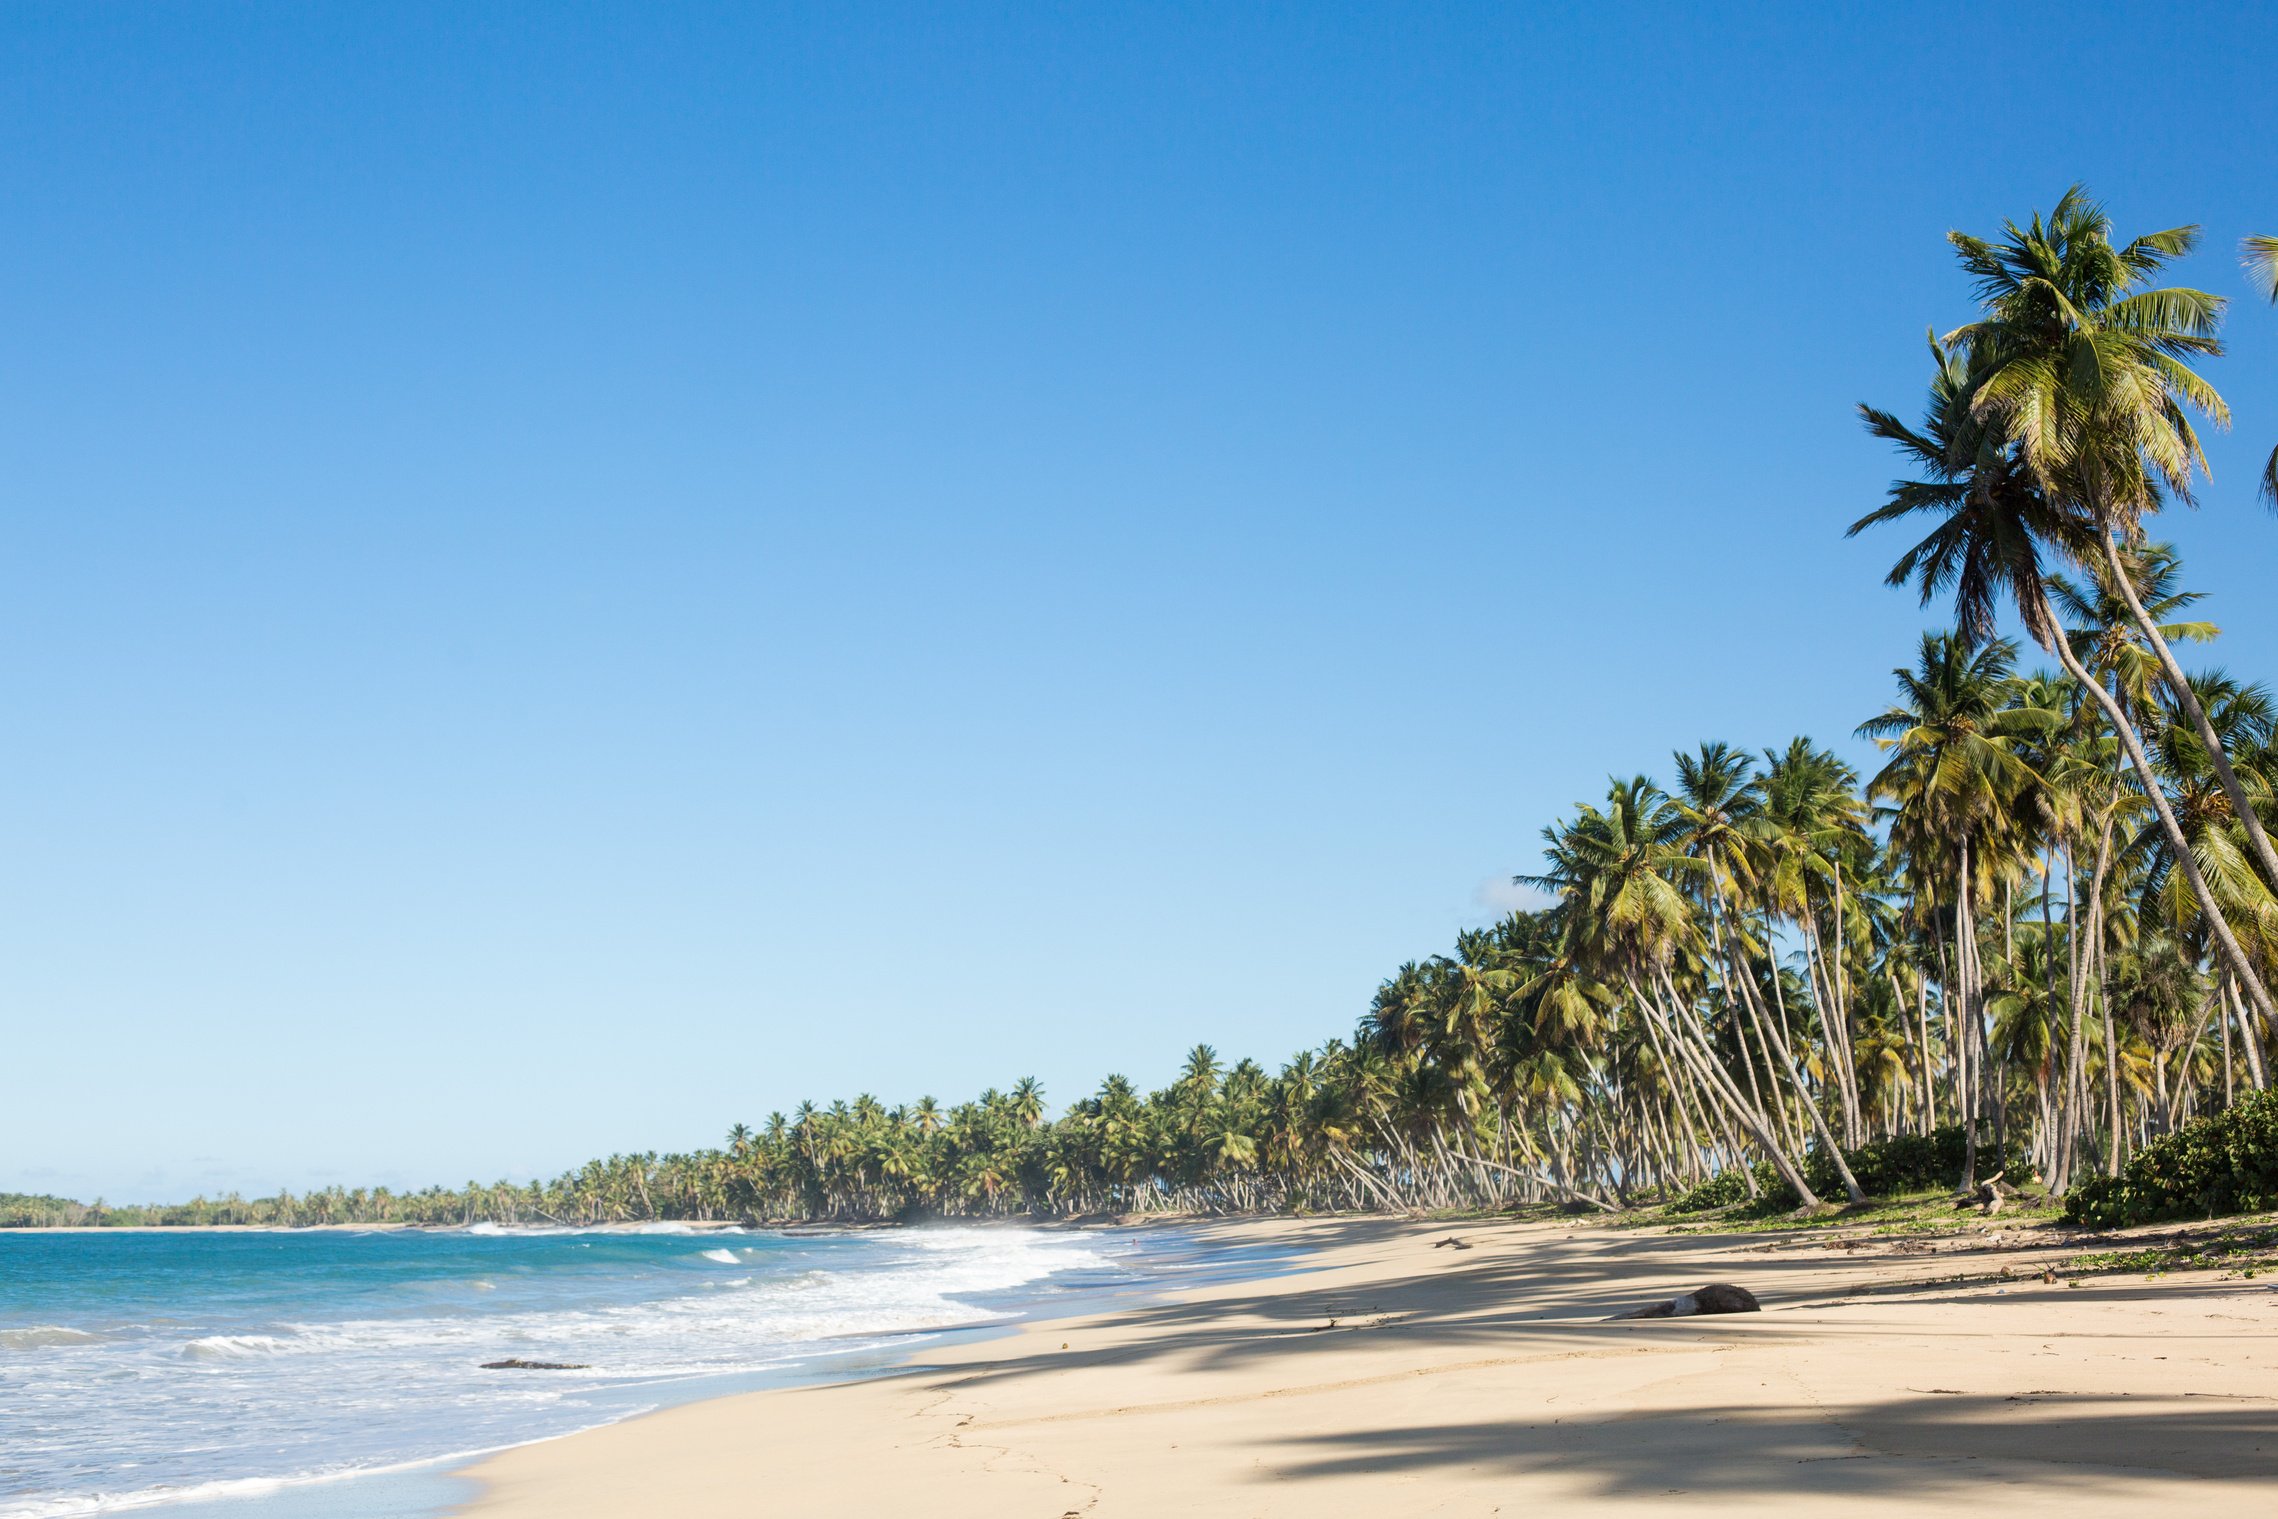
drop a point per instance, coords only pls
(2084, 369)
(1721, 827)
(1954, 741)
(1617, 873)
(2044, 467)
(1811, 823)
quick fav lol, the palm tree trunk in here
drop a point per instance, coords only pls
(2185, 861)
(1853, 1120)
(2223, 1019)
(1752, 1118)
(1833, 1021)
(1713, 1076)
(2187, 701)
(1997, 1089)
(1779, 987)
(1779, 1105)
(1918, 1055)
(1929, 1082)
(2075, 1116)
(1949, 998)
(1733, 966)
(1965, 1013)
(1674, 1074)
(2049, 1108)
(2103, 992)
(1795, 1076)
(1777, 1109)
(2250, 1045)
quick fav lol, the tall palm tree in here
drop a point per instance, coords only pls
(1617, 873)
(2086, 370)
(1812, 825)
(1721, 827)
(1988, 469)
(1954, 740)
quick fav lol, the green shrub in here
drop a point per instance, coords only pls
(1885, 1168)
(1916, 1163)
(1719, 1191)
(2224, 1163)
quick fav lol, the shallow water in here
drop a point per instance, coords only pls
(259, 1371)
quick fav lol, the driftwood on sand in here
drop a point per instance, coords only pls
(1988, 1196)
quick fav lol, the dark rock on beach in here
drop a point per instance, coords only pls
(517, 1364)
(1717, 1297)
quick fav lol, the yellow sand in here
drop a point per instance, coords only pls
(1486, 1381)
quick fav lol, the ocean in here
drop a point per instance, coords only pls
(291, 1374)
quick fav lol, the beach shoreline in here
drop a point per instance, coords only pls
(348, 1373)
(1385, 1370)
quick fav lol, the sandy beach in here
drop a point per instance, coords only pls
(1396, 1375)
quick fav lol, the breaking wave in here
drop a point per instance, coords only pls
(221, 1367)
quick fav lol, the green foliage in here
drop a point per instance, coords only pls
(1916, 1163)
(2246, 1249)
(37, 1210)
(1722, 1190)
(2223, 1164)
(1885, 1168)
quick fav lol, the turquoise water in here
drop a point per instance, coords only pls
(282, 1370)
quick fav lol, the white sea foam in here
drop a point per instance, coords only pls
(42, 1336)
(233, 1347)
(197, 1402)
(223, 1489)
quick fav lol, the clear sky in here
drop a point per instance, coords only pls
(571, 575)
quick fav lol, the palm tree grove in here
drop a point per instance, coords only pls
(2034, 944)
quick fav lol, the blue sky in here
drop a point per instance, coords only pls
(574, 575)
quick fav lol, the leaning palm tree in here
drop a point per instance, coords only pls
(2086, 370)
(1720, 811)
(1813, 823)
(2002, 515)
(2104, 635)
(1617, 872)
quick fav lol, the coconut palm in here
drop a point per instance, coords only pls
(2047, 467)
(1954, 741)
(2087, 371)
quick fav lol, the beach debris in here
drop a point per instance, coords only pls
(516, 1363)
(1717, 1297)
(1988, 1196)
(1441, 1244)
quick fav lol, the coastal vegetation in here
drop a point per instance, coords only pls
(2226, 1163)
(2038, 935)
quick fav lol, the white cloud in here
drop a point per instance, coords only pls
(1501, 894)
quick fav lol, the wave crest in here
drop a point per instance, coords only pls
(234, 1347)
(44, 1336)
